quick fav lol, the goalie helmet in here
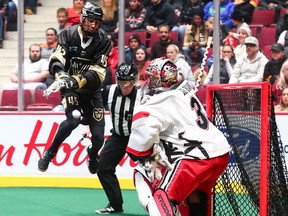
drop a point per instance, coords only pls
(91, 11)
(126, 72)
(161, 73)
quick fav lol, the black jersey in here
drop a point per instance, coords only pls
(78, 57)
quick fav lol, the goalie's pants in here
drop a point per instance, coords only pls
(189, 175)
(113, 151)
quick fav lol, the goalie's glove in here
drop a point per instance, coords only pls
(152, 169)
(160, 157)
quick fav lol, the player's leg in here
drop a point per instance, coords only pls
(113, 151)
(94, 112)
(65, 129)
(145, 193)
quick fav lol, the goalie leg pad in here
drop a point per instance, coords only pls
(163, 202)
(144, 192)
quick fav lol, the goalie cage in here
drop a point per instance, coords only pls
(255, 180)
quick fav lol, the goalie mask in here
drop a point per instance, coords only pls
(91, 18)
(161, 73)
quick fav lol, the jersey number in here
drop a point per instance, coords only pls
(202, 120)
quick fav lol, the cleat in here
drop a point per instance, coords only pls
(92, 164)
(44, 161)
(109, 210)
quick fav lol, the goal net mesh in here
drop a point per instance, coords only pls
(238, 113)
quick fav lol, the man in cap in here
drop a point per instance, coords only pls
(251, 67)
(273, 66)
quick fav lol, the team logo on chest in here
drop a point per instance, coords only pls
(98, 114)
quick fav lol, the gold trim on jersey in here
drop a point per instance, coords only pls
(99, 70)
(80, 80)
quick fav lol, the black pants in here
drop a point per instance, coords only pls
(113, 151)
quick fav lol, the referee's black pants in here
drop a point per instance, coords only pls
(113, 151)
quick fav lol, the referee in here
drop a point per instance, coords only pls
(120, 99)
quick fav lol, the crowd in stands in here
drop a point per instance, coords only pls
(244, 55)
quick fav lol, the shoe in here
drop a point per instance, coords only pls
(28, 11)
(109, 210)
(44, 161)
(1, 44)
(92, 164)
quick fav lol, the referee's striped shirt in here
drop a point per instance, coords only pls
(121, 108)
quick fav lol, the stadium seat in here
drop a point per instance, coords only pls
(264, 17)
(142, 36)
(44, 103)
(267, 36)
(10, 100)
(267, 51)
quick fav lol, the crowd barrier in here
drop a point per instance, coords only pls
(25, 136)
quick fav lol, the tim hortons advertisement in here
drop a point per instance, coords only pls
(26, 135)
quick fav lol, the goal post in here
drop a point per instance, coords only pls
(255, 180)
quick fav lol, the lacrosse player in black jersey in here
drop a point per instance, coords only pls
(79, 65)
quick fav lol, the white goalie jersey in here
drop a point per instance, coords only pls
(177, 119)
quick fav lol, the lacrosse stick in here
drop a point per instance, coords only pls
(198, 81)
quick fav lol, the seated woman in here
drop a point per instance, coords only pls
(141, 62)
(227, 62)
(135, 16)
(283, 105)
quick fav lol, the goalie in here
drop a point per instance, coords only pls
(79, 65)
(181, 151)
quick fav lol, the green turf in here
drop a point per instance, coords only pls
(61, 202)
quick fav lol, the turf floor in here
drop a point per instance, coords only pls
(61, 202)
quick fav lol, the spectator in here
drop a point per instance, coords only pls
(134, 43)
(273, 66)
(283, 105)
(158, 49)
(12, 16)
(135, 16)
(3, 16)
(282, 80)
(62, 19)
(247, 7)
(282, 24)
(251, 67)
(240, 49)
(224, 30)
(226, 9)
(159, 12)
(51, 43)
(110, 18)
(113, 57)
(238, 21)
(141, 62)
(186, 16)
(184, 69)
(196, 37)
(74, 12)
(35, 71)
(30, 7)
(227, 63)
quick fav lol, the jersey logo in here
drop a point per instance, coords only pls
(98, 114)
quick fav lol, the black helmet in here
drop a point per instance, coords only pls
(92, 11)
(126, 72)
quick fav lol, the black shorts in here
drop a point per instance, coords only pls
(91, 105)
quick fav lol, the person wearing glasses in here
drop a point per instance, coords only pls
(227, 62)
